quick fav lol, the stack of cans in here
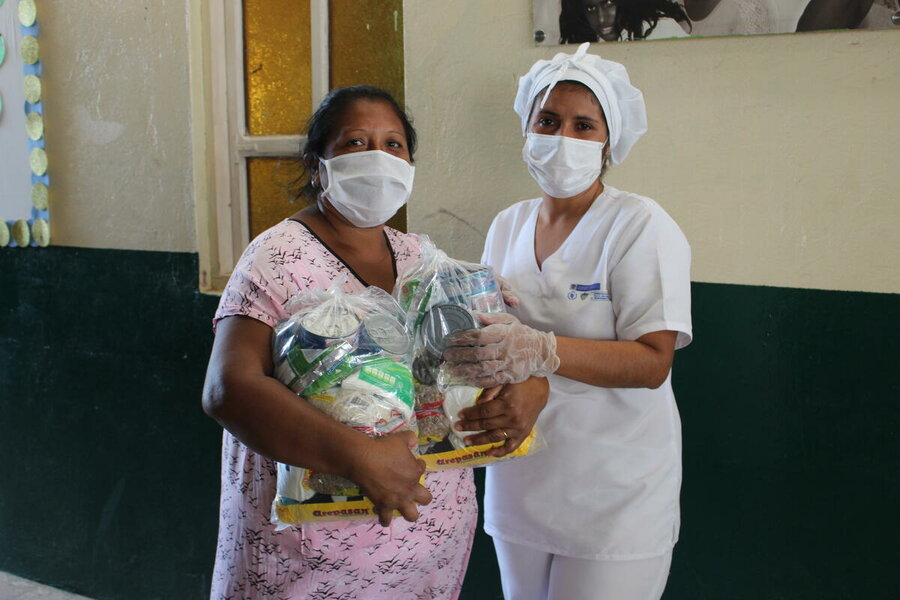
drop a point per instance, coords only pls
(441, 297)
(349, 357)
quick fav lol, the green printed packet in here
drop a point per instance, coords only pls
(390, 376)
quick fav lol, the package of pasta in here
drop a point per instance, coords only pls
(440, 296)
(349, 356)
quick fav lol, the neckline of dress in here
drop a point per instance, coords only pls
(345, 263)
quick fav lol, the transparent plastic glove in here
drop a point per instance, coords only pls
(504, 351)
(509, 294)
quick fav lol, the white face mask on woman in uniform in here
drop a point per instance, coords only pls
(366, 188)
(562, 166)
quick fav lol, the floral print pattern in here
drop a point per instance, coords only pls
(333, 560)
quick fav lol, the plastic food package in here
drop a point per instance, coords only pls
(349, 356)
(439, 297)
(457, 398)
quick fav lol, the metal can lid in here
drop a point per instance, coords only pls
(387, 332)
(442, 321)
(330, 322)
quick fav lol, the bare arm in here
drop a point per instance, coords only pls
(514, 407)
(643, 363)
(506, 351)
(242, 396)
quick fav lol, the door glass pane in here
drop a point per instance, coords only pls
(366, 45)
(272, 183)
(277, 66)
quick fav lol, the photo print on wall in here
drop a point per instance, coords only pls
(577, 21)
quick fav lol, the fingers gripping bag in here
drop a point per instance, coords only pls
(440, 296)
(349, 356)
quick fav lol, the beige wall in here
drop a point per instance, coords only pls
(118, 120)
(777, 155)
(773, 152)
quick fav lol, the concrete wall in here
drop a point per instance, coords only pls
(118, 122)
(775, 154)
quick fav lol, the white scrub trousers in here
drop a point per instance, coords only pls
(530, 574)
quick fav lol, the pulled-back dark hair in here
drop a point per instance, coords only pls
(322, 124)
(631, 17)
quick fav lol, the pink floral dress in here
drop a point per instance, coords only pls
(326, 561)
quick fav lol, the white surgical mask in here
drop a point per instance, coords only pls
(367, 188)
(562, 166)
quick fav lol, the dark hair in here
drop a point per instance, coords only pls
(631, 17)
(322, 123)
(633, 14)
(573, 24)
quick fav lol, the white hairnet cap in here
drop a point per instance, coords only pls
(622, 103)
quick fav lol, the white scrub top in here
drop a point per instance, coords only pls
(606, 485)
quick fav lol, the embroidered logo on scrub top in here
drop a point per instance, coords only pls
(587, 291)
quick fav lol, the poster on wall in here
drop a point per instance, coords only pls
(576, 21)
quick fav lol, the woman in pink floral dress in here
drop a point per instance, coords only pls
(359, 140)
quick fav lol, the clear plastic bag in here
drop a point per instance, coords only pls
(349, 356)
(440, 296)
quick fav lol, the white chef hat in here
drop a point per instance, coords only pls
(622, 103)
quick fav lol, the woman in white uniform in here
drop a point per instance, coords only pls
(604, 285)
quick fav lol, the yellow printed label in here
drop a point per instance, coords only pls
(473, 456)
(323, 397)
(293, 514)
(315, 512)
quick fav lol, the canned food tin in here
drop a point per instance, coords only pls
(476, 289)
(441, 322)
(327, 325)
(382, 332)
(283, 338)
(311, 371)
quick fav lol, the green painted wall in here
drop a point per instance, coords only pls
(109, 478)
(790, 409)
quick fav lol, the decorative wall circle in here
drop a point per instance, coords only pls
(34, 125)
(38, 161)
(40, 231)
(27, 12)
(29, 50)
(21, 233)
(40, 196)
(23, 51)
(32, 87)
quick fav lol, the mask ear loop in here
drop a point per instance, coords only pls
(322, 174)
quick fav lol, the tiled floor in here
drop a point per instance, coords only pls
(16, 588)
